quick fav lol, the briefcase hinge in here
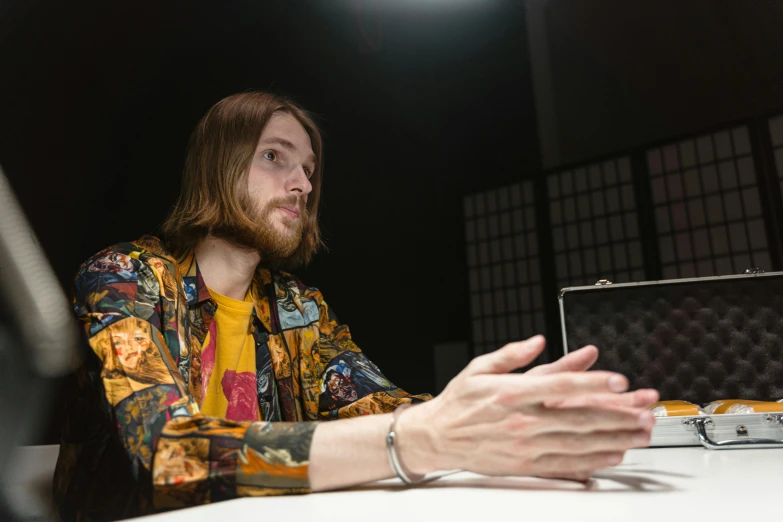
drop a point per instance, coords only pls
(603, 282)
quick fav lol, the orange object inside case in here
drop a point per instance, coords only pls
(675, 409)
(741, 406)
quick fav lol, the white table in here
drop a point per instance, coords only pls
(660, 485)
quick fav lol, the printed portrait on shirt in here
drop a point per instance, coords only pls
(134, 415)
(275, 454)
(106, 290)
(294, 310)
(132, 359)
(349, 377)
(112, 262)
(181, 461)
(165, 280)
(148, 291)
(380, 403)
(340, 387)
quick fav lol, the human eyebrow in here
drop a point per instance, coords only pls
(282, 142)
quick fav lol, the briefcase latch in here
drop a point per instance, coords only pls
(603, 282)
(753, 271)
(703, 423)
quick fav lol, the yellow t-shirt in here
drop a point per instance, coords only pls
(231, 391)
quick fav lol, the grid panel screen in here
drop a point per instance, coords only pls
(776, 133)
(595, 225)
(707, 207)
(503, 262)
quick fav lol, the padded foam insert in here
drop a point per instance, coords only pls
(695, 341)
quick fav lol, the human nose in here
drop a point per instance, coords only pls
(300, 183)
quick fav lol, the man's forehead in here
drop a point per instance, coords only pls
(285, 130)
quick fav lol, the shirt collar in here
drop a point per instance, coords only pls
(195, 289)
(197, 292)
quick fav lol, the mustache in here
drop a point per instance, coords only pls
(288, 201)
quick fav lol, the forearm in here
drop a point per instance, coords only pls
(349, 452)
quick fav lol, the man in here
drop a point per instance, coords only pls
(209, 363)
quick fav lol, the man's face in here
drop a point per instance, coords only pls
(334, 383)
(278, 184)
(341, 388)
(112, 262)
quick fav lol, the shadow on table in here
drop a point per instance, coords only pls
(615, 480)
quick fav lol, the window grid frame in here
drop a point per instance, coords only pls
(515, 308)
(711, 222)
(626, 209)
(723, 214)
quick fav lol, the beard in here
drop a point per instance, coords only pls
(273, 242)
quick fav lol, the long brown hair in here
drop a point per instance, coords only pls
(219, 155)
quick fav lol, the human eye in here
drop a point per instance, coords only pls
(270, 155)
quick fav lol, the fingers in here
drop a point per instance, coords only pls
(577, 361)
(556, 464)
(508, 358)
(596, 442)
(635, 399)
(585, 420)
(576, 457)
(641, 398)
(540, 421)
(522, 390)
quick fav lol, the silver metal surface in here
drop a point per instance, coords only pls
(750, 273)
(701, 424)
(562, 321)
(672, 281)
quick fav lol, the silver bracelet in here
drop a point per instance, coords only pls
(394, 460)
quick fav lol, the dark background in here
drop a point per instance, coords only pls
(418, 105)
(420, 101)
(630, 73)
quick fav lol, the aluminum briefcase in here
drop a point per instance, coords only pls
(697, 340)
(755, 430)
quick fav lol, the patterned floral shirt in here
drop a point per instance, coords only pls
(134, 441)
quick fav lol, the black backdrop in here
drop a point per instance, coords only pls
(420, 102)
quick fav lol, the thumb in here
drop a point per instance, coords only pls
(508, 358)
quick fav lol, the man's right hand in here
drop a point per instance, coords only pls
(556, 420)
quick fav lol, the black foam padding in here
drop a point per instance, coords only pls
(695, 341)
